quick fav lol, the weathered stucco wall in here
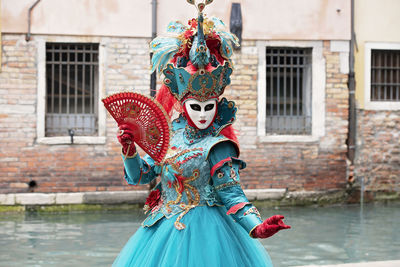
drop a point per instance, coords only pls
(273, 19)
(383, 28)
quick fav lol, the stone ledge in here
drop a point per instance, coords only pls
(112, 197)
(35, 199)
(115, 197)
(69, 198)
(277, 196)
(315, 197)
(265, 194)
(7, 199)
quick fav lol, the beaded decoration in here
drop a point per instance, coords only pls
(252, 210)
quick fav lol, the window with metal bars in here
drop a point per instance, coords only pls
(385, 75)
(288, 90)
(71, 88)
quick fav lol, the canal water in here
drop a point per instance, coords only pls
(319, 235)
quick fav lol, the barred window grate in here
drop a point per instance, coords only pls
(288, 90)
(71, 88)
(385, 75)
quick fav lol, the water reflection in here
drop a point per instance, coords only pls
(68, 239)
(333, 235)
(327, 235)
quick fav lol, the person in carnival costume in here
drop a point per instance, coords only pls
(198, 213)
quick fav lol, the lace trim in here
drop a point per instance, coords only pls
(193, 134)
(252, 210)
(222, 186)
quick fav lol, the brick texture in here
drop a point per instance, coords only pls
(318, 165)
(61, 168)
(296, 166)
(378, 150)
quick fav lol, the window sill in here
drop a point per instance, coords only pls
(287, 138)
(379, 105)
(80, 140)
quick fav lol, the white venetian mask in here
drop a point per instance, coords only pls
(202, 114)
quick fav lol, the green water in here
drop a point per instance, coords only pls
(319, 235)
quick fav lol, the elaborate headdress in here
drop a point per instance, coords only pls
(195, 59)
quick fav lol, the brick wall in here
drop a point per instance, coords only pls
(318, 165)
(61, 168)
(17, 116)
(378, 150)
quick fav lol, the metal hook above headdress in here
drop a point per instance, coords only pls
(200, 6)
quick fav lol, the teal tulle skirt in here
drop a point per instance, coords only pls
(211, 238)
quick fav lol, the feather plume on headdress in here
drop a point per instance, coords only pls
(180, 38)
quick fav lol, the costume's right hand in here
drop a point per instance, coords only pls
(270, 227)
(126, 138)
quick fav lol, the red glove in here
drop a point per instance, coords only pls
(125, 137)
(269, 227)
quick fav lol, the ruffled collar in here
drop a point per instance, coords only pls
(225, 117)
(193, 135)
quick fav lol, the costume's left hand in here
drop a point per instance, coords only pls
(269, 227)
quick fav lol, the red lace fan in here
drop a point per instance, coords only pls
(147, 118)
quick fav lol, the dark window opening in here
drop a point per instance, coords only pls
(288, 90)
(71, 88)
(385, 75)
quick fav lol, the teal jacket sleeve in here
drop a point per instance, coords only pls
(139, 170)
(226, 181)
